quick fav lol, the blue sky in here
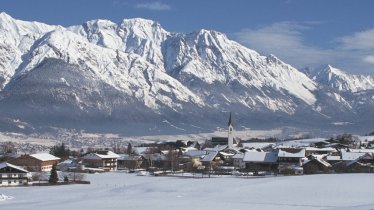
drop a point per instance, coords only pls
(302, 33)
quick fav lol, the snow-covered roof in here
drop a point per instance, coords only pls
(351, 155)
(333, 157)
(101, 155)
(129, 157)
(209, 157)
(300, 154)
(157, 157)
(238, 156)
(66, 162)
(257, 145)
(140, 150)
(264, 157)
(327, 149)
(5, 164)
(226, 154)
(216, 148)
(323, 162)
(196, 153)
(362, 150)
(45, 156)
(190, 149)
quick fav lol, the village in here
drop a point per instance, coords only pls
(218, 156)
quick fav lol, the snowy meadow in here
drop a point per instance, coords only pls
(119, 190)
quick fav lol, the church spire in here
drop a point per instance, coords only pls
(230, 122)
(230, 138)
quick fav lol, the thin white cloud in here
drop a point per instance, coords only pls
(284, 39)
(363, 40)
(157, 6)
(354, 53)
(369, 59)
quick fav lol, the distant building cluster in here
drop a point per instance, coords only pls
(219, 155)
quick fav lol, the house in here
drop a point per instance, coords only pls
(349, 155)
(238, 160)
(67, 165)
(103, 159)
(289, 160)
(11, 175)
(316, 166)
(129, 161)
(261, 161)
(36, 162)
(359, 167)
(211, 160)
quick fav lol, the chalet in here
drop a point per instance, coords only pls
(129, 161)
(261, 161)
(358, 166)
(211, 159)
(11, 175)
(289, 160)
(36, 162)
(104, 159)
(316, 166)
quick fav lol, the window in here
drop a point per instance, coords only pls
(15, 181)
(9, 182)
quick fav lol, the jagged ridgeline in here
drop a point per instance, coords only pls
(134, 77)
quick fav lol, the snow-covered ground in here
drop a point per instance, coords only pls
(120, 190)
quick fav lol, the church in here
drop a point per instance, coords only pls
(229, 140)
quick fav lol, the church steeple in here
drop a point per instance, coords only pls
(230, 122)
(230, 137)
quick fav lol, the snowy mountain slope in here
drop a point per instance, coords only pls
(127, 73)
(340, 80)
(212, 58)
(135, 72)
(139, 36)
(16, 39)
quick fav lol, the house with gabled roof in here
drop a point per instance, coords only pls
(290, 160)
(12, 175)
(103, 159)
(129, 161)
(316, 166)
(36, 162)
(261, 161)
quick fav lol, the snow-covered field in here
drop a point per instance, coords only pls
(120, 190)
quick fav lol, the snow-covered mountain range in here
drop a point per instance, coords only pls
(136, 76)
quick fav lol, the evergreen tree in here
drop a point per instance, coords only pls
(60, 151)
(53, 178)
